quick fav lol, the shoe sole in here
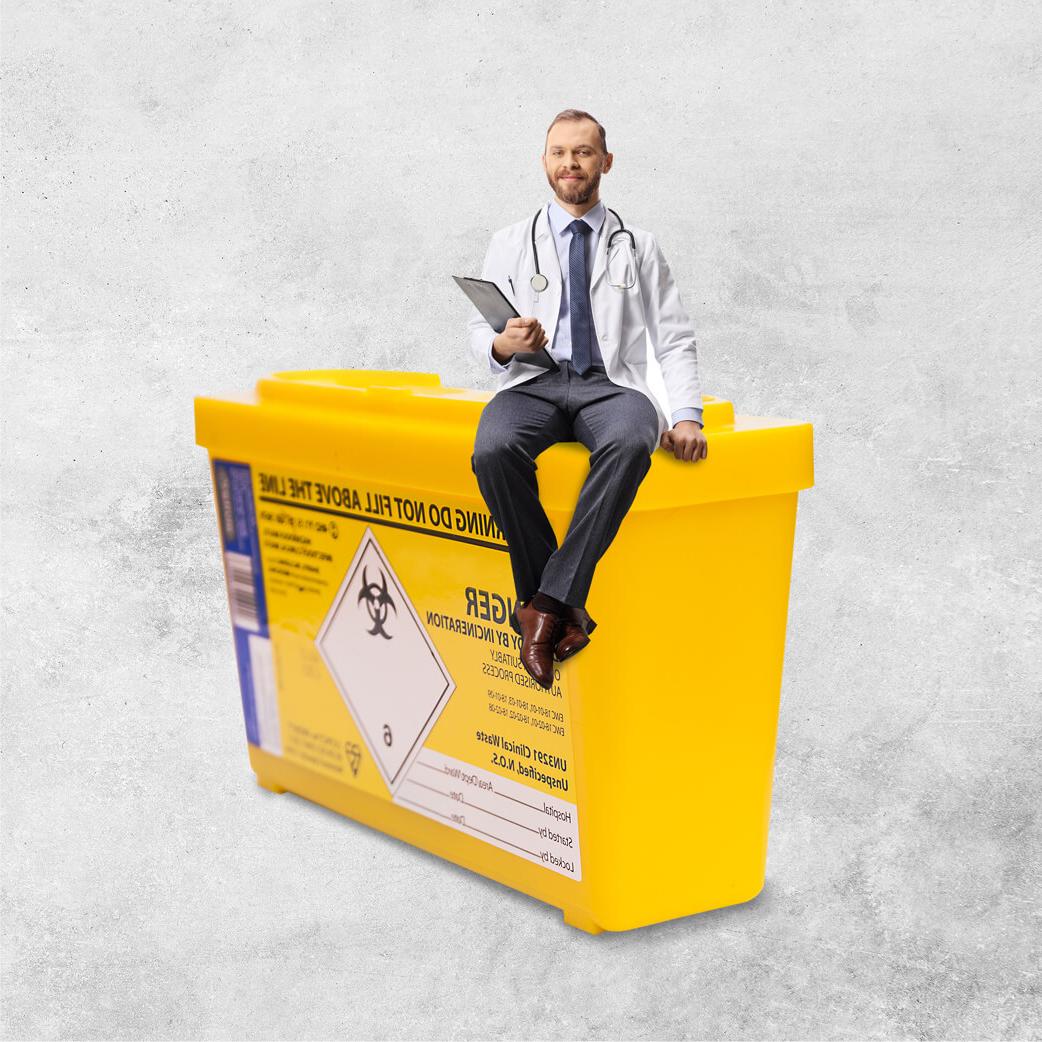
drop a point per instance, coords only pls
(574, 651)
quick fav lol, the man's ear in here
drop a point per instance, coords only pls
(609, 158)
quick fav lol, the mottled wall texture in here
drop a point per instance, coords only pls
(198, 193)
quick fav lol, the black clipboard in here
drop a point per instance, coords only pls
(494, 307)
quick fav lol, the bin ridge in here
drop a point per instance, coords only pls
(378, 422)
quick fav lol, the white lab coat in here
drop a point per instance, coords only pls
(625, 321)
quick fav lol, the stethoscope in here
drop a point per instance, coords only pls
(539, 281)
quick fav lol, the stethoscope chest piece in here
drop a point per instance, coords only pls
(539, 282)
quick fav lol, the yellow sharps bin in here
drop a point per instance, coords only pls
(369, 592)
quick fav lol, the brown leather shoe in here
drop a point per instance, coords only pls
(538, 629)
(571, 637)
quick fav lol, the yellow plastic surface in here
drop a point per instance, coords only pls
(660, 734)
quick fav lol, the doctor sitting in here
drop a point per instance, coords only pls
(591, 290)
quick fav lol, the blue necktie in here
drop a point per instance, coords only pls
(579, 298)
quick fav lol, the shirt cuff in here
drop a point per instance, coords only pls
(688, 414)
(493, 364)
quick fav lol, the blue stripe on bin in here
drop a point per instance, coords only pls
(238, 522)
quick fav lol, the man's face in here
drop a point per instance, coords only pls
(573, 160)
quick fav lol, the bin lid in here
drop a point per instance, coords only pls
(407, 429)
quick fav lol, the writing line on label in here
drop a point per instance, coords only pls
(445, 770)
(473, 828)
(476, 806)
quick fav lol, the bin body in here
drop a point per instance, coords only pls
(369, 594)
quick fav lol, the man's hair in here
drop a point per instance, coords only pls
(574, 115)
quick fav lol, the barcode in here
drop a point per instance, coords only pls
(242, 592)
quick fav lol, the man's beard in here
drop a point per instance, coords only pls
(576, 193)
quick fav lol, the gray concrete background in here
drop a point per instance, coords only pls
(196, 194)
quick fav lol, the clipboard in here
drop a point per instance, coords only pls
(494, 307)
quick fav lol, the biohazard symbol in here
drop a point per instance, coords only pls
(376, 600)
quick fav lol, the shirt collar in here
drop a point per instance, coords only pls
(560, 218)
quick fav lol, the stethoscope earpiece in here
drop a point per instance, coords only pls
(540, 282)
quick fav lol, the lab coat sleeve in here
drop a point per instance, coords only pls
(672, 335)
(492, 363)
(480, 333)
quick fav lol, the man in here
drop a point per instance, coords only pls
(599, 319)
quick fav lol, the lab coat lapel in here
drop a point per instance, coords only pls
(602, 301)
(600, 262)
(549, 301)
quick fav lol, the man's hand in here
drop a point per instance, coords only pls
(519, 335)
(686, 441)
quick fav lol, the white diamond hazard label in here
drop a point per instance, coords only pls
(383, 662)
